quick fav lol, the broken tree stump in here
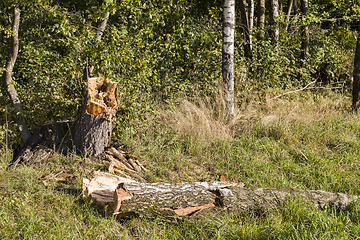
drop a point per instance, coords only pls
(173, 201)
(94, 123)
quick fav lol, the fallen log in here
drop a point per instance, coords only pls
(172, 201)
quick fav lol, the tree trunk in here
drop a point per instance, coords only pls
(305, 31)
(228, 54)
(99, 33)
(274, 21)
(93, 126)
(6, 78)
(124, 198)
(296, 8)
(251, 22)
(356, 81)
(261, 19)
(290, 6)
(246, 28)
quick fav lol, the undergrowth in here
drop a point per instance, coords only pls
(301, 142)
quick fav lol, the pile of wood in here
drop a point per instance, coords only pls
(124, 164)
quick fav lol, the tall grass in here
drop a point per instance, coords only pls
(299, 142)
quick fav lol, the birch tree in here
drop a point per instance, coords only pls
(251, 21)
(274, 19)
(261, 19)
(7, 77)
(228, 54)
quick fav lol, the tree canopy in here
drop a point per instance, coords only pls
(161, 50)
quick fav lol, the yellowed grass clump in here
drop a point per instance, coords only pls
(206, 119)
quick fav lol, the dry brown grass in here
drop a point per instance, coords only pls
(203, 119)
(306, 109)
(206, 119)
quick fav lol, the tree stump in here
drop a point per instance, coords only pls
(94, 123)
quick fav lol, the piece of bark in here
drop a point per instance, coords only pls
(94, 123)
(100, 187)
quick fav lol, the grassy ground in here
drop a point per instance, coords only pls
(306, 142)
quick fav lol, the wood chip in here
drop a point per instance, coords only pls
(222, 178)
(189, 211)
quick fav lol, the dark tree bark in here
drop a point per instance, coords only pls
(356, 74)
(246, 28)
(274, 19)
(261, 19)
(228, 54)
(280, 6)
(6, 77)
(94, 122)
(296, 7)
(305, 31)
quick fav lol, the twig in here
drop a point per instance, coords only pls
(283, 94)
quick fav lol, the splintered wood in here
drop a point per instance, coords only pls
(124, 164)
(100, 187)
(102, 98)
(94, 121)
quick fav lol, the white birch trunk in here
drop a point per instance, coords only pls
(6, 78)
(274, 19)
(251, 22)
(228, 54)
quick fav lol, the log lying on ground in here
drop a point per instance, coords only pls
(93, 126)
(100, 187)
(172, 201)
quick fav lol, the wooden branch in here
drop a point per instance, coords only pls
(172, 201)
(283, 94)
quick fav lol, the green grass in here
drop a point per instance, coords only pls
(299, 143)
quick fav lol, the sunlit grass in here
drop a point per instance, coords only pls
(301, 143)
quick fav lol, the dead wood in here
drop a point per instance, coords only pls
(172, 201)
(93, 126)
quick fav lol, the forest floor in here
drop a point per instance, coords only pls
(305, 141)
